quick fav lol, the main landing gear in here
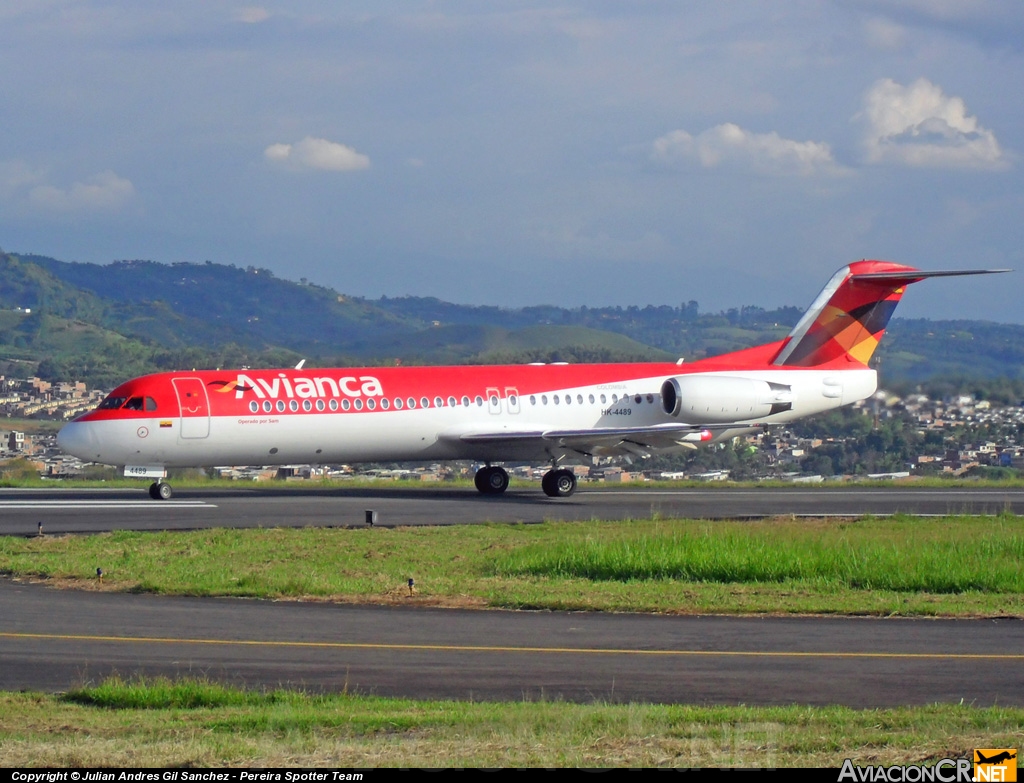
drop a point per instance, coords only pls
(557, 483)
(160, 490)
(491, 480)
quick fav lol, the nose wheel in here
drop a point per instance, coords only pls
(160, 490)
(558, 483)
(491, 480)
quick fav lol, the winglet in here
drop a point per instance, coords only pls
(849, 316)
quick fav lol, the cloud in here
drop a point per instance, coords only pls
(766, 153)
(16, 175)
(251, 14)
(104, 192)
(313, 153)
(919, 125)
(988, 22)
(883, 33)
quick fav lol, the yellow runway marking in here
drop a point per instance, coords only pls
(507, 649)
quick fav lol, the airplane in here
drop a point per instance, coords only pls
(996, 759)
(550, 412)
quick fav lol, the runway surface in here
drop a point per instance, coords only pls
(91, 511)
(53, 641)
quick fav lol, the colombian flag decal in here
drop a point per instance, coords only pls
(165, 423)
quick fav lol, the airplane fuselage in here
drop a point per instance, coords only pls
(419, 413)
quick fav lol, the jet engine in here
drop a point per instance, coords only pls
(721, 399)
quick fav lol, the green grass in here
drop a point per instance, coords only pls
(865, 556)
(907, 566)
(162, 693)
(167, 723)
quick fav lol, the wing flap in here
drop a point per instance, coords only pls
(600, 440)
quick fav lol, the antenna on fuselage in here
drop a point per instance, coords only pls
(299, 365)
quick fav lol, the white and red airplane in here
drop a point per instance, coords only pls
(547, 412)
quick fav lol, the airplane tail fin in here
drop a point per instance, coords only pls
(850, 314)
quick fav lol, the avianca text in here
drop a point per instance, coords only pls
(308, 388)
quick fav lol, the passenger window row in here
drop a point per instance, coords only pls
(372, 403)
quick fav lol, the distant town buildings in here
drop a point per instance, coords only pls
(29, 398)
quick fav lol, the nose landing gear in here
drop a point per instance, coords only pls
(160, 490)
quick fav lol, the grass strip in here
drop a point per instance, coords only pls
(199, 723)
(954, 566)
(859, 557)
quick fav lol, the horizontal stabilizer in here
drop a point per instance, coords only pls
(921, 275)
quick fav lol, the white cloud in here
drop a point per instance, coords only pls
(105, 191)
(252, 14)
(883, 33)
(313, 153)
(16, 175)
(767, 153)
(919, 125)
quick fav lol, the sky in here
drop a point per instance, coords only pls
(518, 153)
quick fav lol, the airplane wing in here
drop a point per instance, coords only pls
(601, 441)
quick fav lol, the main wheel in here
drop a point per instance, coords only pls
(497, 482)
(161, 491)
(491, 481)
(559, 483)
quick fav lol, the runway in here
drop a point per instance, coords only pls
(93, 511)
(53, 641)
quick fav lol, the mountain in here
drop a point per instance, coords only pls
(211, 304)
(102, 323)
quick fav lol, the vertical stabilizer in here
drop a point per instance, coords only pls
(849, 316)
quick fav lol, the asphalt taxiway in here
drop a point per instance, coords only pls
(85, 511)
(53, 640)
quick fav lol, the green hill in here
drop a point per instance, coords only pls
(211, 304)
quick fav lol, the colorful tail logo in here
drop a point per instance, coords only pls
(849, 316)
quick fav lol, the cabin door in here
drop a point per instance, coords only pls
(195, 407)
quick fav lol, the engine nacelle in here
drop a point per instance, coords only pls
(721, 399)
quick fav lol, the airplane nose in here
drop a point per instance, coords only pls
(79, 440)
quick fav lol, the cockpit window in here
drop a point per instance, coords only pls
(128, 404)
